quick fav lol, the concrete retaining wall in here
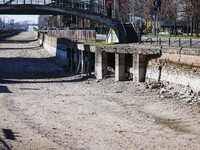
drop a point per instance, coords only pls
(182, 66)
(175, 77)
(51, 45)
(170, 72)
(189, 56)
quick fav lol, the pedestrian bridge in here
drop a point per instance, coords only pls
(91, 11)
(86, 10)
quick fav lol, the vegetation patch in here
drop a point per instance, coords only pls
(93, 43)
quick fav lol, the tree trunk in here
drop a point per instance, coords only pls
(192, 26)
(197, 27)
(188, 22)
(175, 28)
(198, 22)
(170, 28)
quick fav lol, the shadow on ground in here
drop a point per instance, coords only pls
(9, 135)
(10, 48)
(3, 145)
(17, 41)
(4, 89)
(20, 70)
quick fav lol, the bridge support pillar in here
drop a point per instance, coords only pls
(100, 64)
(139, 67)
(89, 63)
(82, 62)
(119, 67)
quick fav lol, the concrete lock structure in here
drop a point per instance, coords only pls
(140, 55)
(83, 57)
(140, 61)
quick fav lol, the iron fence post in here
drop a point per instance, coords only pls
(179, 42)
(159, 41)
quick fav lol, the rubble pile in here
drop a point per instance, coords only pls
(176, 92)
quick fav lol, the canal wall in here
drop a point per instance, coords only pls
(176, 65)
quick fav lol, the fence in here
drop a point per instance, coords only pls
(180, 42)
(79, 35)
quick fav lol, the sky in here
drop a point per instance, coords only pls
(18, 18)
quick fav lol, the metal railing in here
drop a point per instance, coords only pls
(180, 42)
(83, 6)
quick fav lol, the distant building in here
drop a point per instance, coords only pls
(43, 21)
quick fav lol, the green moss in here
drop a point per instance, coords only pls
(93, 43)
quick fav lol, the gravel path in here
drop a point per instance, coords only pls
(41, 109)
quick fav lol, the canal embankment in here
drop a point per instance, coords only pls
(179, 65)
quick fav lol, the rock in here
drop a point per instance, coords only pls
(163, 90)
(98, 80)
(118, 92)
(194, 70)
(197, 97)
(188, 100)
(183, 96)
(170, 88)
(188, 90)
(87, 82)
(110, 70)
(162, 96)
(146, 86)
(155, 85)
(175, 94)
(130, 70)
(168, 96)
(198, 103)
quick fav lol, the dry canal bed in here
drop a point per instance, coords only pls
(41, 109)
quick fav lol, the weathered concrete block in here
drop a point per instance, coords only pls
(119, 67)
(100, 64)
(139, 67)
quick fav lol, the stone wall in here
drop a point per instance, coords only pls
(179, 65)
(189, 56)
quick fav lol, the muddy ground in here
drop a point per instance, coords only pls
(41, 109)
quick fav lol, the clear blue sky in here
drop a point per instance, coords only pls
(18, 18)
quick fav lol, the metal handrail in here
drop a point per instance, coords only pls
(84, 6)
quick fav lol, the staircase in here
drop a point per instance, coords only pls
(131, 35)
(125, 33)
(122, 33)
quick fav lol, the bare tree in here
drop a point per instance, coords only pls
(191, 11)
(168, 12)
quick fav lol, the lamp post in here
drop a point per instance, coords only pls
(157, 4)
(156, 17)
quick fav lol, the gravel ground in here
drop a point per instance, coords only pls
(41, 109)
